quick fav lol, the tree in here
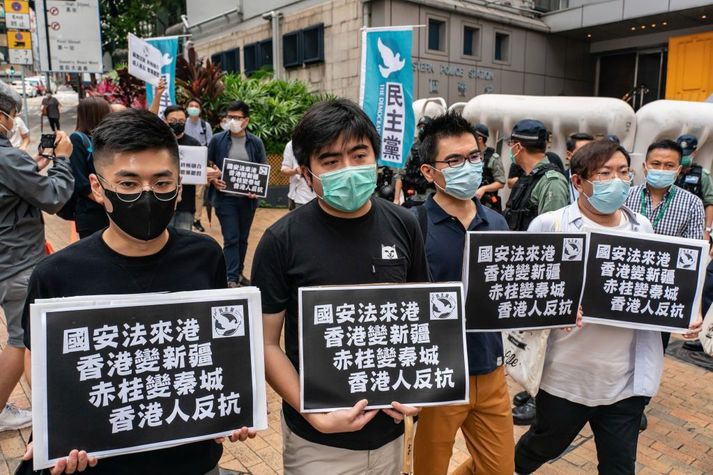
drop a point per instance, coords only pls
(140, 17)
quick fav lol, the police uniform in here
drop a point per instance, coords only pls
(493, 171)
(544, 189)
(694, 178)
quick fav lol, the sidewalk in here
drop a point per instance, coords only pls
(679, 439)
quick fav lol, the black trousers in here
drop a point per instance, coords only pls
(54, 123)
(558, 421)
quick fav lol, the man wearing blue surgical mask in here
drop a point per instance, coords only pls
(597, 374)
(696, 179)
(345, 236)
(673, 211)
(451, 161)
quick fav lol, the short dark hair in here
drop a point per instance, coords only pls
(325, 122)
(171, 109)
(450, 124)
(594, 155)
(193, 99)
(131, 130)
(665, 144)
(574, 138)
(91, 111)
(7, 104)
(238, 106)
(531, 147)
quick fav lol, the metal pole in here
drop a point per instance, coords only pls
(25, 115)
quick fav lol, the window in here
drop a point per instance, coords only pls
(436, 35)
(258, 55)
(471, 41)
(502, 47)
(229, 60)
(303, 46)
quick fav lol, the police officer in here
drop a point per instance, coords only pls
(410, 187)
(695, 178)
(493, 172)
(542, 187)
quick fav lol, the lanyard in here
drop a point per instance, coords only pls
(662, 208)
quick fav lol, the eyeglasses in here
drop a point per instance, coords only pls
(606, 175)
(175, 121)
(128, 190)
(457, 161)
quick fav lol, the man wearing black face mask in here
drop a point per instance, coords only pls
(137, 182)
(175, 117)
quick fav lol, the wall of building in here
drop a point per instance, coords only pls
(339, 74)
(538, 63)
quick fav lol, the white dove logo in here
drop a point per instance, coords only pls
(392, 62)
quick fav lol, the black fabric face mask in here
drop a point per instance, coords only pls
(177, 128)
(144, 219)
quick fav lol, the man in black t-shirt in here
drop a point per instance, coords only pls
(137, 182)
(343, 237)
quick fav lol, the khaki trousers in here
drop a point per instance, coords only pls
(486, 423)
(199, 202)
(301, 457)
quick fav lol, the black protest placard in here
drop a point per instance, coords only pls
(523, 280)
(146, 375)
(385, 343)
(243, 178)
(643, 281)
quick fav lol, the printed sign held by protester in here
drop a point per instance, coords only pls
(516, 283)
(644, 282)
(243, 178)
(385, 343)
(194, 161)
(145, 371)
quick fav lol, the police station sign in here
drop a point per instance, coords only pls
(385, 343)
(386, 91)
(145, 371)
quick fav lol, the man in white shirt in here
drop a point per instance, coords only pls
(598, 374)
(299, 192)
(20, 137)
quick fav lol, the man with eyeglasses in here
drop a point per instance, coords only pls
(452, 163)
(137, 182)
(598, 374)
(235, 213)
(25, 193)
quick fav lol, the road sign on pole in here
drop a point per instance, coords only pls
(19, 45)
(69, 36)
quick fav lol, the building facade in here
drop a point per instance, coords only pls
(639, 50)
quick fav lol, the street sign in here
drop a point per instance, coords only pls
(17, 14)
(69, 36)
(20, 47)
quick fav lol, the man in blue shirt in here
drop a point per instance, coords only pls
(235, 213)
(452, 162)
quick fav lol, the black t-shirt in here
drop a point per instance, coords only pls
(188, 195)
(188, 261)
(310, 247)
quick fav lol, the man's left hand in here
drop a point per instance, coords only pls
(241, 435)
(694, 329)
(398, 411)
(41, 162)
(479, 194)
(252, 196)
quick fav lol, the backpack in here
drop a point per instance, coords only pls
(69, 210)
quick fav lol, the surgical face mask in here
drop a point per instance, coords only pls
(144, 219)
(660, 178)
(608, 196)
(193, 111)
(225, 125)
(177, 127)
(8, 131)
(687, 160)
(348, 189)
(236, 126)
(463, 182)
(511, 154)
